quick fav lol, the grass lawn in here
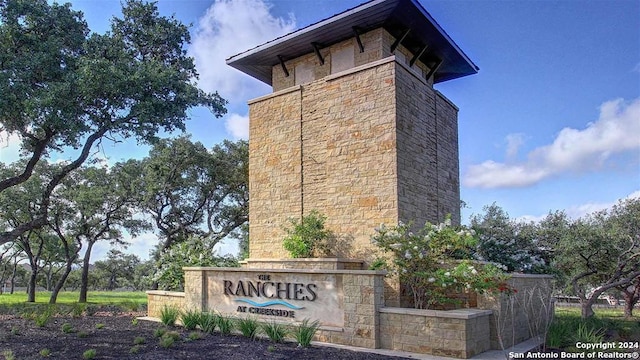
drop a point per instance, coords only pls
(608, 325)
(70, 297)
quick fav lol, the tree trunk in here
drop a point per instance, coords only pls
(60, 283)
(631, 296)
(586, 306)
(84, 279)
(31, 289)
(13, 277)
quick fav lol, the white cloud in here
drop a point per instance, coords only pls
(228, 28)
(237, 126)
(9, 147)
(581, 210)
(514, 142)
(616, 131)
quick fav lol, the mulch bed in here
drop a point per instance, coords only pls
(112, 336)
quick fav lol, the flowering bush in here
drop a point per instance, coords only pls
(434, 262)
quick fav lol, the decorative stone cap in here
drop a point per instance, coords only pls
(454, 314)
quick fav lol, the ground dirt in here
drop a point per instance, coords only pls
(112, 336)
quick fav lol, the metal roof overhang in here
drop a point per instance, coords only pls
(396, 16)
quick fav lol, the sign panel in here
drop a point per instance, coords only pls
(277, 296)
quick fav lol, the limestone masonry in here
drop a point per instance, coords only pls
(363, 138)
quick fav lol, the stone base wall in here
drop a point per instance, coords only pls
(156, 300)
(351, 309)
(459, 333)
(523, 315)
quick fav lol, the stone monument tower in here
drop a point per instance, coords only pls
(353, 128)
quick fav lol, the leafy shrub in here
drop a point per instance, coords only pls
(45, 352)
(77, 309)
(139, 340)
(89, 354)
(587, 334)
(42, 319)
(82, 334)
(169, 338)
(307, 237)
(208, 322)
(194, 336)
(99, 326)
(172, 334)
(225, 324)
(248, 327)
(169, 315)
(8, 355)
(190, 319)
(305, 331)
(429, 262)
(134, 349)
(67, 328)
(275, 331)
(91, 310)
(159, 332)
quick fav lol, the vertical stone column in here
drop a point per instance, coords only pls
(195, 288)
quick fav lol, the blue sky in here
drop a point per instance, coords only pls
(550, 122)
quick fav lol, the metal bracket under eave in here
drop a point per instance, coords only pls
(399, 40)
(434, 69)
(357, 31)
(284, 67)
(316, 48)
(417, 55)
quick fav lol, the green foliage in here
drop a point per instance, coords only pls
(510, 243)
(70, 87)
(167, 342)
(428, 262)
(216, 206)
(248, 327)
(275, 331)
(307, 237)
(43, 318)
(172, 335)
(99, 326)
(78, 309)
(378, 264)
(169, 315)
(305, 331)
(159, 332)
(595, 253)
(45, 352)
(225, 324)
(208, 322)
(194, 336)
(82, 334)
(8, 355)
(169, 338)
(89, 354)
(134, 349)
(190, 319)
(588, 334)
(67, 328)
(190, 252)
(139, 340)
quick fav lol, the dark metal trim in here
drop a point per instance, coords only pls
(399, 40)
(316, 49)
(284, 68)
(417, 56)
(434, 69)
(357, 31)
